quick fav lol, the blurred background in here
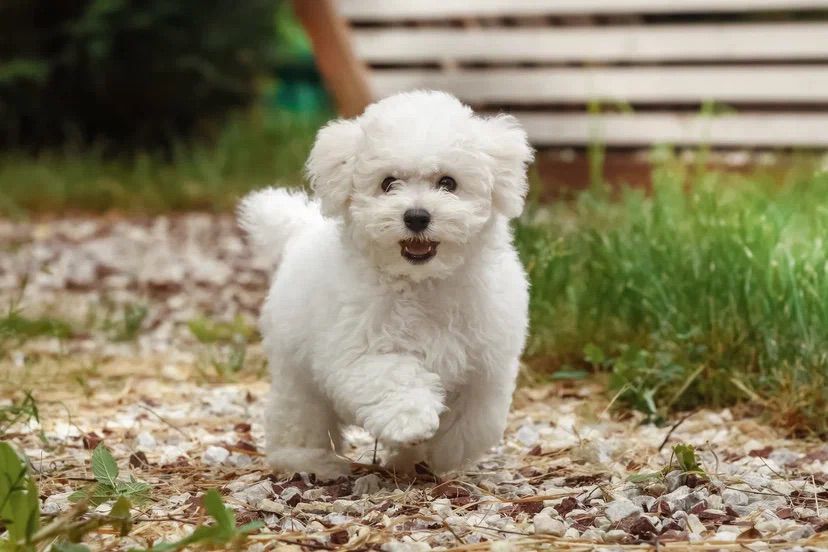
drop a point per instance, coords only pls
(675, 230)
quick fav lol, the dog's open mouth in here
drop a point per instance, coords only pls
(418, 251)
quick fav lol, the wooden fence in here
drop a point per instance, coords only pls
(723, 72)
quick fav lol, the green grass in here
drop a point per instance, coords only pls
(253, 150)
(713, 290)
(208, 330)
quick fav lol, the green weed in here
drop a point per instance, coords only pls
(20, 515)
(108, 486)
(19, 502)
(222, 533)
(223, 363)
(686, 459)
(226, 345)
(207, 330)
(18, 411)
(14, 327)
(127, 326)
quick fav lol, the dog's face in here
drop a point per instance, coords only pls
(418, 178)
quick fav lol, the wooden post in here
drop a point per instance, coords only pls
(344, 74)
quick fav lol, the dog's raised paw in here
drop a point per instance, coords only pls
(405, 427)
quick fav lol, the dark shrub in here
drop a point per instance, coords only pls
(127, 72)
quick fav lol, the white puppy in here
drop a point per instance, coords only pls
(399, 303)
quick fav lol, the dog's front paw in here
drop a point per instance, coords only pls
(404, 423)
(410, 427)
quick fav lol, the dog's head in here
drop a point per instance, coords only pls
(418, 178)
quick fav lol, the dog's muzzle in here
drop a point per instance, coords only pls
(418, 251)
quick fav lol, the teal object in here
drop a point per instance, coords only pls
(298, 86)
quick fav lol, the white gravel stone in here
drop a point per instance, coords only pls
(271, 506)
(783, 457)
(694, 525)
(56, 503)
(145, 441)
(289, 493)
(240, 460)
(677, 500)
(644, 502)
(602, 522)
(442, 507)
(546, 525)
(593, 535)
(619, 509)
(367, 484)
(798, 532)
(527, 435)
(733, 497)
(254, 494)
(756, 480)
(291, 524)
(673, 480)
(215, 455)
(615, 535)
(728, 533)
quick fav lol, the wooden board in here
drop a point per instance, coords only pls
(344, 73)
(390, 10)
(730, 84)
(741, 129)
(696, 42)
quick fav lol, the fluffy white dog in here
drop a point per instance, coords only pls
(399, 303)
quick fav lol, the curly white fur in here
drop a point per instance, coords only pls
(423, 356)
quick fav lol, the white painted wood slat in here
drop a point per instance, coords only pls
(389, 10)
(721, 42)
(741, 129)
(732, 84)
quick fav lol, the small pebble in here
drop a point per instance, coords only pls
(619, 509)
(215, 455)
(367, 484)
(546, 525)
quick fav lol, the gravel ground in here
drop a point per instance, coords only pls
(182, 414)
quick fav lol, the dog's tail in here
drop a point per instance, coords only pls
(273, 216)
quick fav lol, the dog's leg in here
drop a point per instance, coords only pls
(473, 424)
(391, 395)
(301, 428)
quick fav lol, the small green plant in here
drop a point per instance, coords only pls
(226, 345)
(127, 326)
(686, 459)
(16, 328)
(224, 362)
(222, 533)
(683, 458)
(108, 486)
(207, 330)
(18, 411)
(20, 516)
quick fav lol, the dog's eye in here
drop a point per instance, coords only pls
(447, 183)
(387, 183)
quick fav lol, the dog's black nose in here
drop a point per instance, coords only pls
(417, 219)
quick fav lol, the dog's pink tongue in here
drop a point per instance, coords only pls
(417, 247)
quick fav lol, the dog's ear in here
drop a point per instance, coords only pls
(330, 164)
(506, 143)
